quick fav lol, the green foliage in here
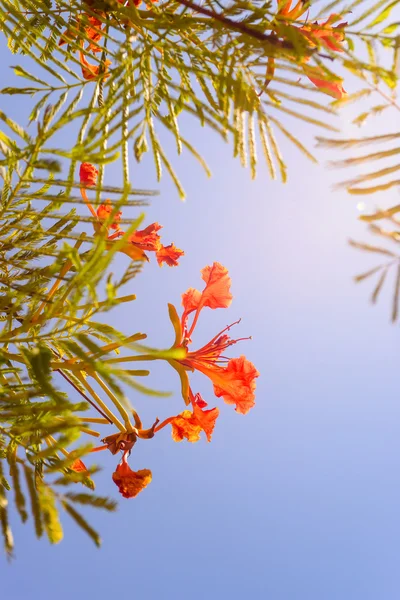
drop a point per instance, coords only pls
(241, 70)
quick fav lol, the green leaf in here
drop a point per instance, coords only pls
(34, 498)
(182, 372)
(90, 500)
(81, 522)
(49, 511)
(21, 72)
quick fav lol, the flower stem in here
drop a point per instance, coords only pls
(86, 200)
(122, 410)
(163, 424)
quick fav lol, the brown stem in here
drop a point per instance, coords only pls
(236, 25)
(84, 395)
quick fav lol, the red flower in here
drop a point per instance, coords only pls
(130, 483)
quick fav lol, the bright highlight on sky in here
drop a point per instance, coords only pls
(298, 500)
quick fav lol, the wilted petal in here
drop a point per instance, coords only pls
(131, 483)
(169, 254)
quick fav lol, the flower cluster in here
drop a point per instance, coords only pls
(233, 380)
(93, 24)
(140, 241)
(93, 27)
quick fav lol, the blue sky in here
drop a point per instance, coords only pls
(299, 498)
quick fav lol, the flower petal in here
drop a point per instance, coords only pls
(217, 293)
(185, 425)
(235, 383)
(206, 419)
(191, 300)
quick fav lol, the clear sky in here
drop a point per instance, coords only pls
(298, 500)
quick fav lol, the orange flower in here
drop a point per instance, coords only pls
(88, 174)
(130, 483)
(190, 424)
(89, 71)
(169, 254)
(149, 240)
(104, 211)
(78, 466)
(235, 382)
